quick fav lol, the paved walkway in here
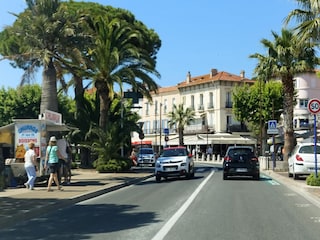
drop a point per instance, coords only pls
(21, 203)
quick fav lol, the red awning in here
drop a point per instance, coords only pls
(147, 142)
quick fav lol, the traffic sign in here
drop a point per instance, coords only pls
(272, 127)
(314, 106)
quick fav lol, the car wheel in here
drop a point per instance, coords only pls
(225, 176)
(256, 176)
(158, 178)
(295, 176)
(190, 174)
(290, 174)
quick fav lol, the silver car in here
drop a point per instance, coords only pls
(302, 160)
(146, 156)
(174, 162)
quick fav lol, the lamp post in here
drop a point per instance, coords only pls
(160, 125)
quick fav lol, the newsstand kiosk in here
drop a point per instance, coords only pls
(23, 131)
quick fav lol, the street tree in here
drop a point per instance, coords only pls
(286, 56)
(180, 117)
(256, 104)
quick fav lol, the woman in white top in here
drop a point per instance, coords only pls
(30, 158)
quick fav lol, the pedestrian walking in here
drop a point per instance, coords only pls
(133, 157)
(30, 164)
(52, 162)
(64, 165)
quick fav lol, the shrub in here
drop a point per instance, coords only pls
(114, 165)
(312, 180)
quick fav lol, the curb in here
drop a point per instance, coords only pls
(36, 212)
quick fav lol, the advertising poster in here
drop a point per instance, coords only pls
(25, 133)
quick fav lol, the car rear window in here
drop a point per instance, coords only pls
(309, 149)
(146, 151)
(240, 151)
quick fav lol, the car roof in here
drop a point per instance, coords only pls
(307, 144)
(240, 146)
(178, 147)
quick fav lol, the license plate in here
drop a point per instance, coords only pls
(169, 169)
(241, 170)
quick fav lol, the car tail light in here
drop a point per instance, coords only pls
(227, 159)
(254, 159)
(299, 158)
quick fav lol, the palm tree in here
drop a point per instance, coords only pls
(180, 117)
(308, 17)
(286, 56)
(40, 37)
(119, 58)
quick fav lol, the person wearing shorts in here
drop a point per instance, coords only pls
(52, 162)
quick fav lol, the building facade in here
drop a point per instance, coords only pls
(210, 96)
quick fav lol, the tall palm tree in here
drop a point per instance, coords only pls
(180, 117)
(119, 58)
(286, 56)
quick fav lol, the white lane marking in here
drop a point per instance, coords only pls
(166, 227)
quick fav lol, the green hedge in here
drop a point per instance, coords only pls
(312, 180)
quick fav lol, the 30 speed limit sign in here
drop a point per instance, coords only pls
(314, 106)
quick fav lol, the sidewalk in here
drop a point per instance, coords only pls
(21, 203)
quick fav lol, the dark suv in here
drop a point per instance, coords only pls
(241, 161)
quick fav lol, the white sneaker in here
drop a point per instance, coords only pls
(27, 185)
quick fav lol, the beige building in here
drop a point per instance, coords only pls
(210, 96)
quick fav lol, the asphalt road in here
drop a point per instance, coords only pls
(202, 208)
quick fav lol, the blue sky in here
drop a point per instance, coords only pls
(196, 35)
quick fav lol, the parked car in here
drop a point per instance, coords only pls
(301, 160)
(174, 162)
(241, 161)
(146, 156)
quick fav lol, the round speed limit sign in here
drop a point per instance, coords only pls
(314, 106)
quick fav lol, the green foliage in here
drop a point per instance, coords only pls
(115, 165)
(24, 103)
(312, 180)
(21, 103)
(258, 103)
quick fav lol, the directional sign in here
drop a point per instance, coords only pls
(314, 106)
(272, 127)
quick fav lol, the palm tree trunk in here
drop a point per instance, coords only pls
(79, 95)
(181, 143)
(103, 94)
(49, 97)
(288, 116)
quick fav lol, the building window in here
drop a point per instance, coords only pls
(155, 107)
(165, 106)
(210, 104)
(192, 102)
(303, 103)
(228, 100)
(147, 108)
